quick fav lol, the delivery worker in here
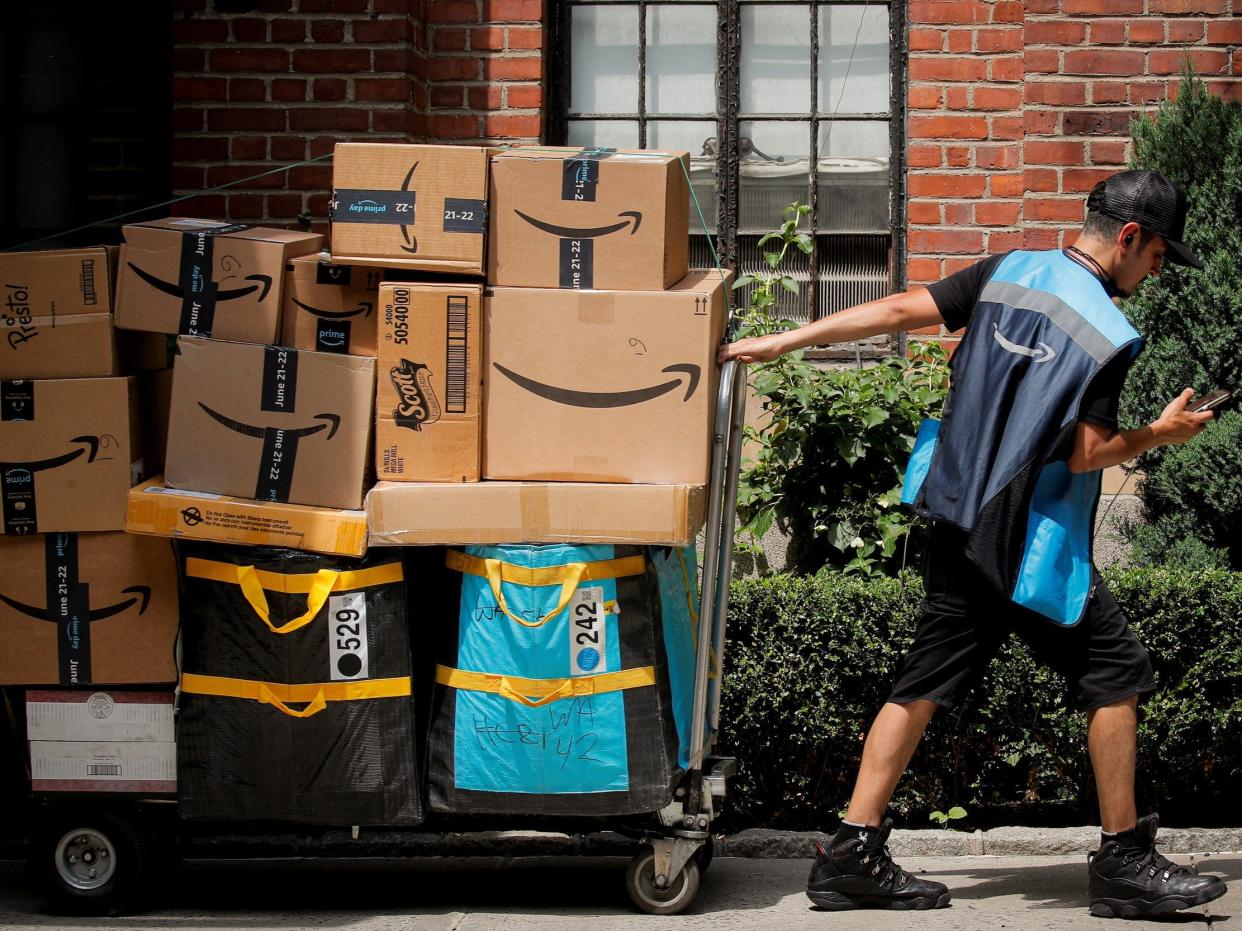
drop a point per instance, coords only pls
(1010, 479)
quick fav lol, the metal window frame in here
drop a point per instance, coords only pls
(729, 114)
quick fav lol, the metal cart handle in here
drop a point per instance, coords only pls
(718, 555)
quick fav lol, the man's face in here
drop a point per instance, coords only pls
(1138, 263)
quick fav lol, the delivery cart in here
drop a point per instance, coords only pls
(92, 854)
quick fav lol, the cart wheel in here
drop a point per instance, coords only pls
(703, 856)
(640, 884)
(89, 863)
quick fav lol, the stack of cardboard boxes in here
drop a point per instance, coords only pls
(597, 365)
(82, 604)
(509, 342)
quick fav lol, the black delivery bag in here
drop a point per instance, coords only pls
(295, 688)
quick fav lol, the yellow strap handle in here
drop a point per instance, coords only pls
(317, 586)
(574, 572)
(279, 695)
(535, 693)
(568, 577)
(507, 691)
(317, 704)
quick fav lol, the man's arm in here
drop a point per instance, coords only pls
(908, 310)
(1097, 447)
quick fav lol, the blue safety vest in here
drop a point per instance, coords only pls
(996, 466)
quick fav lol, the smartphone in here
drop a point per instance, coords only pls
(1210, 401)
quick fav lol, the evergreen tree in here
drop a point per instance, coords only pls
(1192, 321)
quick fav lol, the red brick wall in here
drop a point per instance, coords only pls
(1018, 108)
(281, 81)
(486, 66)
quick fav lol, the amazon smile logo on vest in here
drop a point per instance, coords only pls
(606, 399)
(1042, 353)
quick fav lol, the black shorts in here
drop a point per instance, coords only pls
(965, 621)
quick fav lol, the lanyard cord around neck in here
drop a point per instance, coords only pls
(1089, 262)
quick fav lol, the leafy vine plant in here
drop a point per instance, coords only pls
(833, 443)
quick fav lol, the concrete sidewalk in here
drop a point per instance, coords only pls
(508, 894)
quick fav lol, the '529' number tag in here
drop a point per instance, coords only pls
(347, 636)
(588, 632)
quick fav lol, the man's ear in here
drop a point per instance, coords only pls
(1128, 233)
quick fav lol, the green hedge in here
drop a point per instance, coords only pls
(810, 661)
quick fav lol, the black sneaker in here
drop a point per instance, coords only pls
(856, 871)
(1130, 878)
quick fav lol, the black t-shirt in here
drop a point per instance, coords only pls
(956, 297)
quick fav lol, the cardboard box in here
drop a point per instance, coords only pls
(269, 422)
(161, 511)
(87, 609)
(204, 278)
(69, 451)
(588, 218)
(406, 514)
(602, 386)
(56, 311)
(330, 306)
(428, 387)
(415, 206)
(101, 742)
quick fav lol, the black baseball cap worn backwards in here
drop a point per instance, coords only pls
(1152, 201)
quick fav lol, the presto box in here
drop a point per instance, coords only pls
(602, 386)
(270, 423)
(69, 451)
(573, 218)
(203, 278)
(56, 311)
(416, 206)
(428, 387)
(87, 609)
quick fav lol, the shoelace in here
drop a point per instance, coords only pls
(885, 869)
(1154, 861)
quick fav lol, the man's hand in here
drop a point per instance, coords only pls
(753, 349)
(1176, 425)
(1096, 447)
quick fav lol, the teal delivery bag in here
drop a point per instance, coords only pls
(568, 685)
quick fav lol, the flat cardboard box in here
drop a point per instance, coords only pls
(87, 609)
(583, 218)
(414, 206)
(99, 716)
(161, 511)
(408, 514)
(97, 741)
(56, 311)
(271, 423)
(602, 386)
(204, 278)
(69, 451)
(428, 387)
(330, 306)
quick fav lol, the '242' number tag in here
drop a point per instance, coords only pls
(588, 632)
